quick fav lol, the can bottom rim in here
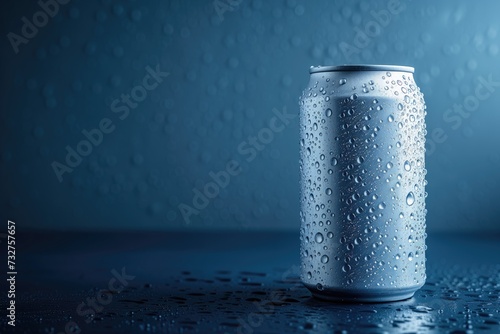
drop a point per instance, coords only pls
(365, 296)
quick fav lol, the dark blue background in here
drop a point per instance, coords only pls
(226, 75)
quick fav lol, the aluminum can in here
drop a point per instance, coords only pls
(362, 178)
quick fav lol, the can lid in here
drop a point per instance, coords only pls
(361, 67)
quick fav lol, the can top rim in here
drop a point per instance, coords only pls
(361, 67)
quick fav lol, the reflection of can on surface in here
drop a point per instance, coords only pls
(362, 183)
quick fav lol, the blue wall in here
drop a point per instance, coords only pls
(228, 69)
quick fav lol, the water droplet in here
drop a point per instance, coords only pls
(407, 166)
(328, 191)
(389, 165)
(400, 106)
(342, 81)
(410, 256)
(329, 235)
(360, 160)
(390, 118)
(309, 275)
(318, 237)
(350, 217)
(422, 309)
(381, 206)
(410, 198)
(325, 259)
(334, 161)
(328, 112)
(319, 286)
(346, 267)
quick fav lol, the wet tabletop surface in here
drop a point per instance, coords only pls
(233, 282)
